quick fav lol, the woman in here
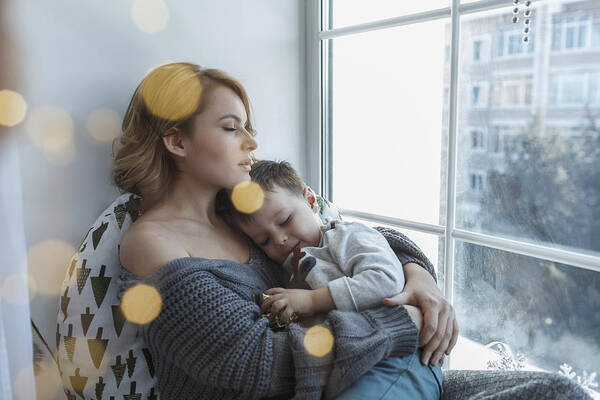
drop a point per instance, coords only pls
(187, 136)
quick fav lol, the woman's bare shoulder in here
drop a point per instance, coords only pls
(146, 247)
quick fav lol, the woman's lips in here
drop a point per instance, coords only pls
(246, 167)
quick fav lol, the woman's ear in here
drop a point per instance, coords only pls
(311, 198)
(173, 141)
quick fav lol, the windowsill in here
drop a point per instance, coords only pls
(468, 355)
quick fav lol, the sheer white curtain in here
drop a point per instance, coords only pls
(16, 353)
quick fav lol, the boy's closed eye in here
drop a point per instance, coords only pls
(266, 241)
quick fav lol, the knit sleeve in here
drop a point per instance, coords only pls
(217, 336)
(406, 250)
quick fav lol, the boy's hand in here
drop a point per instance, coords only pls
(288, 302)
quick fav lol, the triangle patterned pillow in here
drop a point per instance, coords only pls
(100, 354)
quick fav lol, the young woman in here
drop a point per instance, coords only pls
(187, 136)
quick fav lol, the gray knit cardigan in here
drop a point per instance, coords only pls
(210, 342)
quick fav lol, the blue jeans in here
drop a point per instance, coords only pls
(399, 379)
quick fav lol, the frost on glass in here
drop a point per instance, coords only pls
(532, 312)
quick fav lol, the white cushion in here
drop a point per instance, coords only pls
(99, 353)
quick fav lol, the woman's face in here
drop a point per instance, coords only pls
(219, 143)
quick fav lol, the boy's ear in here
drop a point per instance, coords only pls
(311, 197)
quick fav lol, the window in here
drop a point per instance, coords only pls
(510, 43)
(576, 88)
(494, 142)
(476, 181)
(479, 94)
(523, 184)
(571, 33)
(512, 92)
(477, 141)
(481, 47)
(477, 50)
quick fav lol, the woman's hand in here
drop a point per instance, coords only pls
(440, 328)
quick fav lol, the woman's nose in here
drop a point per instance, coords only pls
(249, 143)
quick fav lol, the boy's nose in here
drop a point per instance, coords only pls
(282, 240)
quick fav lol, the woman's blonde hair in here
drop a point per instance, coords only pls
(170, 96)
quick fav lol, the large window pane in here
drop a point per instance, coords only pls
(351, 12)
(536, 175)
(546, 311)
(386, 115)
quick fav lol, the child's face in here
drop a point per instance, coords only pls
(285, 221)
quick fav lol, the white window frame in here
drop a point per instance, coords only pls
(319, 140)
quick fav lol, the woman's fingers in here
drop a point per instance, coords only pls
(433, 344)
(431, 314)
(454, 336)
(437, 354)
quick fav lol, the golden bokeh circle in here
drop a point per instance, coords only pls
(12, 108)
(172, 91)
(47, 262)
(11, 289)
(247, 197)
(50, 127)
(141, 304)
(318, 341)
(61, 157)
(104, 124)
(150, 16)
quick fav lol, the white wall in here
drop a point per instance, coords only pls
(84, 55)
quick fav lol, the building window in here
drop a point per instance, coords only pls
(477, 139)
(494, 141)
(476, 182)
(510, 43)
(479, 94)
(512, 92)
(574, 88)
(571, 33)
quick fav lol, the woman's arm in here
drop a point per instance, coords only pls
(218, 338)
(440, 328)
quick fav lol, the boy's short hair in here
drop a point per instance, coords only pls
(267, 174)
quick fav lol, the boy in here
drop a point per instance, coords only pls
(349, 266)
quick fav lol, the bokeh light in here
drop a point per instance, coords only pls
(141, 304)
(47, 381)
(47, 262)
(104, 124)
(318, 341)
(64, 156)
(247, 197)
(150, 16)
(12, 108)
(172, 91)
(12, 289)
(50, 127)
(23, 387)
